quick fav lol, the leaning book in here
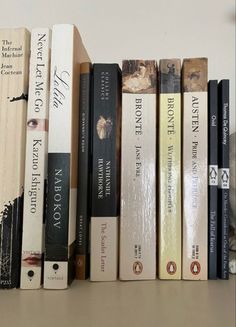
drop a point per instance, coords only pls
(14, 69)
(138, 170)
(195, 170)
(35, 160)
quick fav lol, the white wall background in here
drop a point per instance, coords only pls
(149, 29)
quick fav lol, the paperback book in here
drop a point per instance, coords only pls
(195, 170)
(14, 69)
(138, 170)
(36, 161)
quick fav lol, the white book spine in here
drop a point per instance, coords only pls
(62, 161)
(36, 160)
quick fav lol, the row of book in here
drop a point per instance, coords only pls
(115, 163)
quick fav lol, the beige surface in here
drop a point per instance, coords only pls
(123, 304)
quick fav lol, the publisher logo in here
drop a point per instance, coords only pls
(213, 175)
(171, 267)
(224, 178)
(195, 268)
(137, 267)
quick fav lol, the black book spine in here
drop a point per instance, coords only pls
(213, 177)
(84, 171)
(223, 192)
(10, 244)
(105, 171)
(106, 89)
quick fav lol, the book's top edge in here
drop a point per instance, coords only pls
(85, 67)
(224, 81)
(139, 61)
(194, 76)
(170, 76)
(139, 76)
(14, 30)
(213, 81)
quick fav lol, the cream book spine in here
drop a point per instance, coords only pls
(169, 162)
(35, 160)
(138, 170)
(14, 70)
(195, 170)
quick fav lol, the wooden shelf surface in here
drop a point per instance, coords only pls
(123, 304)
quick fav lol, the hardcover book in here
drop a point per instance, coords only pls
(224, 180)
(138, 170)
(14, 68)
(169, 245)
(62, 157)
(195, 170)
(105, 172)
(35, 160)
(84, 172)
(212, 177)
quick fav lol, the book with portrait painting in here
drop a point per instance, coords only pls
(35, 161)
(14, 63)
(195, 169)
(138, 170)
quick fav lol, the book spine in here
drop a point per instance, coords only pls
(14, 66)
(224, 177)
(195, 170)
(105, 172)
(62, 158)
(84, 171)
(35, 160)
(212, 178)
(170, 170)
(138, 170)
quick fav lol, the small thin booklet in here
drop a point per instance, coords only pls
(224, 180)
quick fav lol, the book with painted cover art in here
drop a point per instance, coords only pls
(195, 170)
(169, 162)
(138, 170)
(105, 172)
(84, 172)
(66, 55)
(224, 180)
(14, 70)
(35, 160)
(212, 177)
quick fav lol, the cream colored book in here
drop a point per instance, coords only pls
(138, 171)
(14, 69)
(169, 162)
(195, 169)
(35, 160)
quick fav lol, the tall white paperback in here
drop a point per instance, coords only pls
(138, 171)
(36, 160)
(67, 54)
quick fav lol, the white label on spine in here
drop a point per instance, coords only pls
(55, 275)
(213, 175)
(104, 248)
(224, 178)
